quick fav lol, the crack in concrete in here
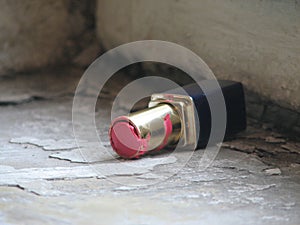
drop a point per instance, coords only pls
(47, 144)
(25, 177)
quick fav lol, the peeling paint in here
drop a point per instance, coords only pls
(275, 140)
(273, 171)
(292, 147)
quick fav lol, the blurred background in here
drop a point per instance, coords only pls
(254, 42)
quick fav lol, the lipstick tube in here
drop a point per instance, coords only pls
(171, 116)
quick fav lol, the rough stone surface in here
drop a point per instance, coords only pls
(256, 42)
(282, 117)
(243, 184)
(35, 34)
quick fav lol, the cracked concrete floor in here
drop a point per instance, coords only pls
(45, 180)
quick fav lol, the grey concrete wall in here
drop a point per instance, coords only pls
(35, 34)
(256, 42)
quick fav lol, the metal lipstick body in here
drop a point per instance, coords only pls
(171, 116)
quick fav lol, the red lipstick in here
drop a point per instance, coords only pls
(171, 117)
